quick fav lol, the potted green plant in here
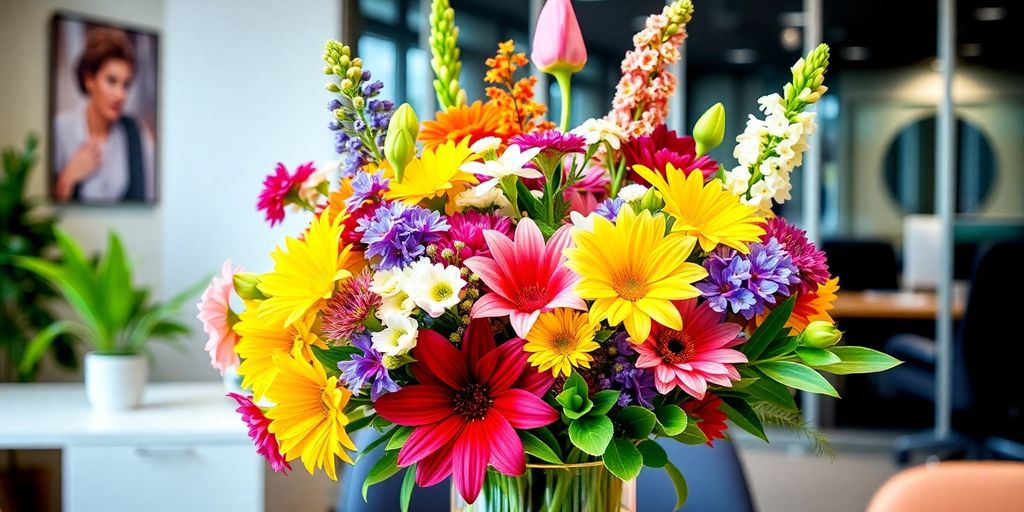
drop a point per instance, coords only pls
(24, 231)
(114, 318)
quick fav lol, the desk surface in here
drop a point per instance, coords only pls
(58, 415)
(894, 304)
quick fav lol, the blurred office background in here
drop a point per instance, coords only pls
(241, 90)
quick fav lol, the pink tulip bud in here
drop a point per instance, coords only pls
(557, 41)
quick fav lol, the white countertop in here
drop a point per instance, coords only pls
(58, 415)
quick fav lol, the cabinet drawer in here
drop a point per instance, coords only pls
(158, 478)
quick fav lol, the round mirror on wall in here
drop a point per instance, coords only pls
(910, 167)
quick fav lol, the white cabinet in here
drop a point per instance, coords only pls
(156, 478)
(185, 449)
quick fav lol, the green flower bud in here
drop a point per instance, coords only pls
(820, 334)
(400, 141)
(710, 129)
(333, 87)
(358, 102)
(395, 362)
(246, 286)
(651, 201)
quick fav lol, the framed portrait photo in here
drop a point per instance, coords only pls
(103, 112)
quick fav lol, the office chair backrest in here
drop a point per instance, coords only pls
(953, 487)
(863, 264)
(714, 477)
(992, 339)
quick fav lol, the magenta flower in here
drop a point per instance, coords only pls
(811, 263)
(279, 189)
(663, 147)
(346, 310)
(525, 276)
(465, 235)
(552, 143)
(265, 441)
(698, 354)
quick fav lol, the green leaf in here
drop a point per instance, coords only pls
(549, 439)
(623, 459)
(679, 483)
(603, 335)
(692, 435)
(860, 360)
(742, 415)
(331, 356)
(781, 345)
(355, 424)
(384, 438)
(398, 440)
(386, 467)
(772, 392)
(796, 375)
(573, 398)
(654, 455)
(531, 204)
(534, 446)
(816, 356)
(38, 346)
(671, 419)
(769, 330)
(591, 434)
(408, 483)
(636, 422)
(604, 401)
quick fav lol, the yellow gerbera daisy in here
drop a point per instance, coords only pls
(708, 212)
(561, 340)
(434, 173)
(633, 271)
(260, 340)
(308, 417)
(306, 273)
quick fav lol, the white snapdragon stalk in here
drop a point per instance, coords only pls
(486, 147)
(435, 288)
(398, 337)
(633, 192)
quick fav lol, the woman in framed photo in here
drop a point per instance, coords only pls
(101, 153)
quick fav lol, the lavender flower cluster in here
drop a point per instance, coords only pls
(398, 234)
(613, 368)
(360, 124)
(746, 283)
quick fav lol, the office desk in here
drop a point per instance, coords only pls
(184, 449)
(896, 305)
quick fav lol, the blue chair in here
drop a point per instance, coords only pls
(383, 497)
(714, 478)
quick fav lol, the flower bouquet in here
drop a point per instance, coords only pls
(531, 310)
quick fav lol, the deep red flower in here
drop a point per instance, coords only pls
(265, 441)
(711, 418)
(663, 147)
(276, 188)
(466, 408)
(811, 263)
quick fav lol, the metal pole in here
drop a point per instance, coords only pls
(812, 179)
(945, 149)
(677, 108)
(541, 91)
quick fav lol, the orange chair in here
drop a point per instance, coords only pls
(954, 487)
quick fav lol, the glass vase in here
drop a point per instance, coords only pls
(585, 487)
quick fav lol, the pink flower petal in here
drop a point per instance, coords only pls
(440, 358)
(534, 382)
(435, 467)
(433, 404)
(524, 410)
(469, 460)
(478, 340)
(523, 322)
(427, 439)
(492, 275)
(492, 305)
(500, 369)
(507, 455)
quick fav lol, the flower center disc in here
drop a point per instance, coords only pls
(676, 347)
(473, 401)
(630, 287)
(531, 297)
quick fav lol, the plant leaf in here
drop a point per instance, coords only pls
(792, 420)
(692, 435)
(770, 391)
(679, 483)
(331, 356)
(769, 330)
(574, 397)
(816, 356)
(796, 375)
(385, 467)
(623, 459)
(636, 422)
(534, 446)
(591, 434)
(604, 401)
(743, 416)
(399, 438)
(38, 346)
(408, 483)
(671, 419)
(860, 360)
(654, 455)
(383, 438)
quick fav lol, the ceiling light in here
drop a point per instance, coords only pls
(790, 38)
(989, 13)
(791, 19)
(855, 53)
(740, 56)
(970, 50)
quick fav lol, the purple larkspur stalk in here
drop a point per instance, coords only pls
(367, 368)
(398, 234)
(366, 186)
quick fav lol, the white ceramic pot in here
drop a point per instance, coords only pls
(115, 383)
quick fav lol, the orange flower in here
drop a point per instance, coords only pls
(476, 121)
(514, 99)
(814, 305)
